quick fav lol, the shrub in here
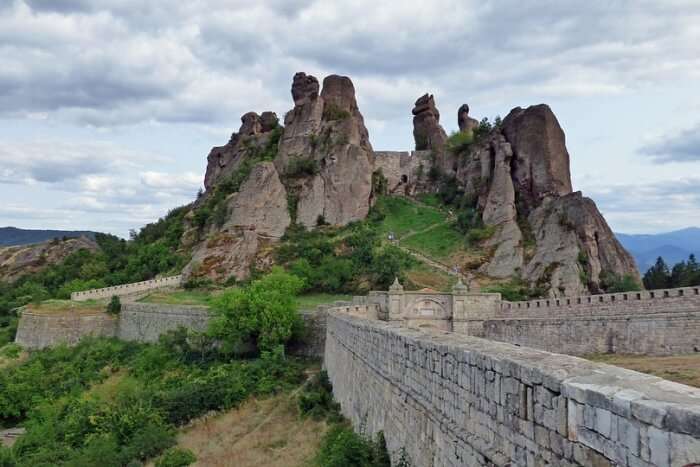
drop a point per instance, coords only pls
(114, 306)
(302, 167)
(264, 312)
(176, 457)
(480, 234)
(333, 112)
(380, 185)
(316, 400)
(614, 283)
(459, 142)
(342, 447)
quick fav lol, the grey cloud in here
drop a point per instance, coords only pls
(683, 146)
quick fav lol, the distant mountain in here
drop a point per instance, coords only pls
(671, 246)
(11, 236)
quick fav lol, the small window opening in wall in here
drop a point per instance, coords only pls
(404, 178)
(697, 291)
(528, 304)
(590, 300)
(695, 348)
(680, 293)
(612, 298)
(666, 294)
(568, 301)
(558, 303)
(600, 299)
(578, 300)
(651, 295)
(547, 302)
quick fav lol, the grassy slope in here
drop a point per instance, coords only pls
(683, 369)
(440, 243)
(404, 216)
(260, 433)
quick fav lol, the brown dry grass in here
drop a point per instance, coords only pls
(61, 307)
(260, 433)
(683, 369)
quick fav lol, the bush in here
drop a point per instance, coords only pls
(342, 447)
(302, 167)
(332, 112)
(459, 142)
(264, 312)
(479, 235)
(316, 400)
(114, 306)
(614, 283)
(176, 457)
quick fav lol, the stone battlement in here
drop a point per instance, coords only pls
(452, 400)
(126, 289)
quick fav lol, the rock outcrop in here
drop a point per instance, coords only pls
(325, 152)
(253, 134)
(518, 178)
(319, 170)
(256, 216)
(465, 122)
(16, 261)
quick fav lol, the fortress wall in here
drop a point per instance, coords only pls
(657, 322)
(145, 322)
(647, 334)
(454, 400)
(126, 289)
(397, 164)
(40, 330)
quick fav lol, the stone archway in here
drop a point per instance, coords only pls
(427, 308)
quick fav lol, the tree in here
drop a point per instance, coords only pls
(114, 306)
(658, 276)
(264, 312)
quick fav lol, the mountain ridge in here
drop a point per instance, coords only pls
(15, 236)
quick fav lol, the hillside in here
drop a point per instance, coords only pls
(506, 185)
(11, 236)
(673, 246)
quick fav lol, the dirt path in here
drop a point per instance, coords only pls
(468, 279)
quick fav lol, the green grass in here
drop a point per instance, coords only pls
(423, 276)
(66, 306)
(431, 199)
(403, 216)
(310, 301)
(180, 297)
(438, 243)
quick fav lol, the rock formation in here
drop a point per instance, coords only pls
(427, 131)
(319, 167)
(518, 176)
(465, 122)
(254, 132)
(16, 261)
(325, 152)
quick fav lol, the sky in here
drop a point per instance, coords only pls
(108, 108)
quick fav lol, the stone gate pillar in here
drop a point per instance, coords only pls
(459, 307)
(396, 301)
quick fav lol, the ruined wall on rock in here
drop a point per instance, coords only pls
(452, 400)
(40, 330)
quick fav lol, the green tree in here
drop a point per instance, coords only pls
(264, 312)
(658, 276)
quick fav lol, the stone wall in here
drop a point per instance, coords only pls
(405, 171)
(656, 322)
(39, 330)
(126, 289)
(455, 400)
(145, 322)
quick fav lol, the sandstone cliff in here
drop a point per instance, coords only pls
(318, 168)
(17, 261)
(517, 176)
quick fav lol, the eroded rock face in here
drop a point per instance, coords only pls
(254, 132)
(256, 215)
(16, 261)
(465, 122)
(326, 134)
(541, 164)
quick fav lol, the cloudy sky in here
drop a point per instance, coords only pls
(108, 108)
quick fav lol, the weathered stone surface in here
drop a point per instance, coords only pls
(256, 215)
(568, 229)
(327, 131)
(450, 400)
(427, 131)
(253, 133)
(16, 261)
(541, 165)
(465, 122)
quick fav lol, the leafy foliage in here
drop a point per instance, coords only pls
(264, 312)
(515, 290)
(614, 283)
(302, 167)
(342, 447)
(683, 274)
(176, 457)
(114, 306)
(459, 142)
(106, 402)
